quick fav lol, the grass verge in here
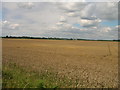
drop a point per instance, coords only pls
(16, 77)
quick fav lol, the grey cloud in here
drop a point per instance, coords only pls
(53, 20)
(89, 23)
(106, 11)
(62, 19)
(9, 25)
(26, 5)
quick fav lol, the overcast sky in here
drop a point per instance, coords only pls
(61, 19)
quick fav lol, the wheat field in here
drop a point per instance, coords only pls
(60, 63)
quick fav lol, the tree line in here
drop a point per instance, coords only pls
(52, 38)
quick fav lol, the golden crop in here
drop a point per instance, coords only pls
(86, 64)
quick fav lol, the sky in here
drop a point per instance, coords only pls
(84, 20)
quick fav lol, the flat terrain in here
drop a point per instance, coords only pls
(60, 63)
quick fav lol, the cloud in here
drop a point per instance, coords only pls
(59, 23)
(62, 23)
(6, 25)
(63, 26)
(72, 6)
(62, 19)
(72, 14)
(105, 29)
(85, 33)
(14, 26)
(89, 23)
(87, 12)
(26, 5)
(106, 11)
(66, 19)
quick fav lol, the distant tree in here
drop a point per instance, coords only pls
(7, 36)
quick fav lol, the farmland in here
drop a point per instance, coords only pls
(29, 63)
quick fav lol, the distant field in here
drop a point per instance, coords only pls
(40, 63)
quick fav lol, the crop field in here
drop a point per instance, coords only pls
(37, 63)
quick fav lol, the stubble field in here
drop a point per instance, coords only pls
(40, 63)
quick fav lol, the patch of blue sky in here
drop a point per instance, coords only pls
(78, 25)
(0, 16)
(109, 23)
(0, 12)
(4, 12)
(17, 17)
